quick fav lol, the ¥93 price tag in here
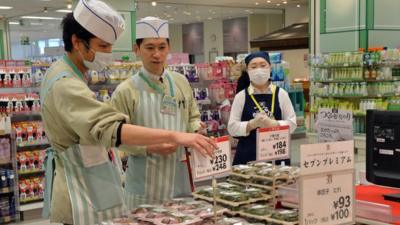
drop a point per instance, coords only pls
(273, 143)
(219, 165)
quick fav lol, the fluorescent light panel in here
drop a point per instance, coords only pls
(40, 18)
(64, 10)
(5, 7)
(13, 23)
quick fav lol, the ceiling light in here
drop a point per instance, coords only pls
(285, 2)
(13, 23)
(209, 18)
(187, 13)
(40, 18)
(268, 1)
(298, 6)
(153, 3)
(278, 4)
(69, 6)
(168, 6)
(257, 3)
(5, 7)
(36, 24)
(64, 10)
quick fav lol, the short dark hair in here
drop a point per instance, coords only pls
(139, 41)
(70, 27)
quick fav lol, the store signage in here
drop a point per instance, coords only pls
(334, 125)
(326, 157)
(273, 143)
(204, 168)
(327, 181)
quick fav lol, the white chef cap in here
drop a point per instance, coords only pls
(99, 19)
(151, 27)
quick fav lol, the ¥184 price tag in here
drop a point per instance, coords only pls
(205, 167)
(273, 143)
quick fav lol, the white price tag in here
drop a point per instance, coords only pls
(326, 157)
(205, 167)
(334, 125)
(334, 196)
(273, 143)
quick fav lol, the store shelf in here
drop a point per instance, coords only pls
(346, 65)
(354, 81)
(5, 162)
(19, 89)
(31, 206)
(30, 172)
(6, 190)
(357, 97)
(368, 221)
(104, 86)
(26, 144)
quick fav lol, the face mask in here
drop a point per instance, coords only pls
(101, 60)
(259, 76)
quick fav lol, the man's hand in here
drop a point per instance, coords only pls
(162, 149)
(197, 142)
(202, 129)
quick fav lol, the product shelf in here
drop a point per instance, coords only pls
(27, 144)
(6, 190)
(354, 81)
(30, 172)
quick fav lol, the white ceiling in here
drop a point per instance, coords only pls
(176, 11)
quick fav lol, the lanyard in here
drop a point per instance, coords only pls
(156, 87)
(74, 68)
(273, 89)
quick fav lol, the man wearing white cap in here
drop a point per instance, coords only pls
(156, 98)
(87, 187)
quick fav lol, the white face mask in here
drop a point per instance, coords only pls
(259, 76)
(101, 60)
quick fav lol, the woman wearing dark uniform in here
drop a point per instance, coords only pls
(260, 105)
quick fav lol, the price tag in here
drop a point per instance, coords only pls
(334, 196)
(334, 125)
(273, 143)
(205, 167)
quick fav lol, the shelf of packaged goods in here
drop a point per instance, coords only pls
(357, 97)
(354, 81)
(6, 190)
(26, 144)
(355, 114)
(30, 206)
(19, 89)
(5, 161)
(30, 172)
(338, 66)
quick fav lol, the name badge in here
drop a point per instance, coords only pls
(169, 105)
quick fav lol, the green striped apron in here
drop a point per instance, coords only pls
(93, 181)
(153, 179)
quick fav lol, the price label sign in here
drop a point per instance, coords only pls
(334, 196)
(273, 143)
(334, 125)
(327, 181)
(205, 167)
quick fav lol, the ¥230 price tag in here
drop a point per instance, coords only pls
(273, 143)
(219, 165)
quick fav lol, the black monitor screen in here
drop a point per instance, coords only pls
(383, 147)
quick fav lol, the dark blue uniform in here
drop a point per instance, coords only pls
(246, 149)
